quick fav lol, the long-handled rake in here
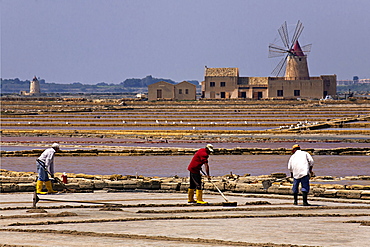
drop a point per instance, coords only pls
(227, 203)
(36, 199)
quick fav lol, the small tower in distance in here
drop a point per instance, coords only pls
(35, 86)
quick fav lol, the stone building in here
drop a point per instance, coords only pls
(185, 91)
(166, 91)
(225, 83)
(34, 87)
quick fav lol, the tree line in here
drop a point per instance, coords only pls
(127, 86)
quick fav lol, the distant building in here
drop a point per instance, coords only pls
(140, 96)
(364, 81)
(345, 82)
(185, 91)
(352, 82)
(166, 91)
(225, 83)
(34, 88)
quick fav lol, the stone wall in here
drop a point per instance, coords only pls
(11, 182)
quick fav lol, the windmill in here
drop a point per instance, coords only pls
(294, 61)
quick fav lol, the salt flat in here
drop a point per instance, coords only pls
(165, 219)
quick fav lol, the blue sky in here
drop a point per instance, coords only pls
(92, 41)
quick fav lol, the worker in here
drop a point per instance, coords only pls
(300, 165)
(45, 166)
(199, 159)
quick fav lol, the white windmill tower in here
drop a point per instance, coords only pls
(35, 86)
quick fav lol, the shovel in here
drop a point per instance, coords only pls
(226, 203)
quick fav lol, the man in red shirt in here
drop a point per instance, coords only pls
(199, 159)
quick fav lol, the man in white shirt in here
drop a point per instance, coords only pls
(45, 166)
(300, 165)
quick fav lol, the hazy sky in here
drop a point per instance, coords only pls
(92, 41)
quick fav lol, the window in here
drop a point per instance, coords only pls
(186, 91)
(159, 93)
(180, 91)
(222, 84)
(223, 95)
(212, 84)
(280, 93)
(297, 92)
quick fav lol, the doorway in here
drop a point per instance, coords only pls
(257, 95)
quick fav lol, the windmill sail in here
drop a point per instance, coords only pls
(294, 61)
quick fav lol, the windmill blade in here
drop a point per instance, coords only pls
(280, 68)
(306, 48)
(276, 51)
(283, 32)
(297, 32)
(277, 48)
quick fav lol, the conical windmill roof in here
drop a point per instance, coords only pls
(297, 50)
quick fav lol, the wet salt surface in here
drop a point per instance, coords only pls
(350, 128)
(138, 128)
(144, 121)
(151, 113)
(167, 166)
(68, 143)
(84, 146)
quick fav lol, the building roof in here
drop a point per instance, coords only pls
(161, 83)
(297, 50)
(185, 82)
(222, 72)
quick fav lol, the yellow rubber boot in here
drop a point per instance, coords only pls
(49, 186)
(199, 194)
(191, 196)
(39, 185)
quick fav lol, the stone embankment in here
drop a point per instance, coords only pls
(184, 151)
(276, 183)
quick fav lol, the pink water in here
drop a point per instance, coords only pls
(166, 166)
(27, 143)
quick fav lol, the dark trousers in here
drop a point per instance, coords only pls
(304, 181)
(195, 181)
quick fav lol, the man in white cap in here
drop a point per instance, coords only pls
(199, 159)
(45, 166)
(300, 165)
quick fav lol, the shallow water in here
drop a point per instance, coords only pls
(68, 143)
(167, 166)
